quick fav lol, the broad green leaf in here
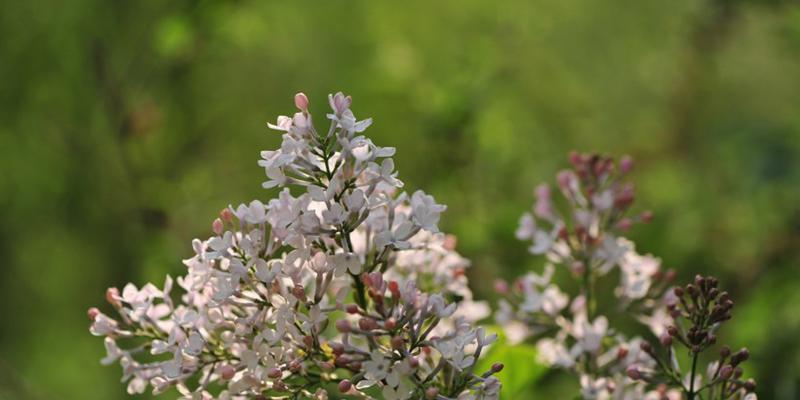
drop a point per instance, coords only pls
(521, 369)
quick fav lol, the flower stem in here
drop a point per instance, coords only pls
(692, 393)
(588, 283)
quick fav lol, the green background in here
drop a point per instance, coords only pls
(126, 125)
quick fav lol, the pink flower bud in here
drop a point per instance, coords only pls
(112, 296)
(226, 215)
(565, 179)
(226, 372)
(345, 386)
(217, 226)
(501, 286)
(665, 339)
(431, 393)
(301, 101)
(274, 373)
(92, 313)
(450, 242)
(646, 217)
(625, 224)
(390, 324)
(622, 352)
(375, 280)
(625, 196)
(413, 362)
(394, 288)
(575, 157)
(625, 164)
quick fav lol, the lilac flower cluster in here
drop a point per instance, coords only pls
(577, 333)
(345, 285)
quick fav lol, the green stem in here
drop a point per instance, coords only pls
(692, 393)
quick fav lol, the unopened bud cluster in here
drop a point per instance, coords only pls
(698, 310)
(347, 286)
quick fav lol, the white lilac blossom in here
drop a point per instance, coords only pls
(584, 240)
(343, 282)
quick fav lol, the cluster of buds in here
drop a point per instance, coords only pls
(698, 311)
(572, 331)
(348, 286)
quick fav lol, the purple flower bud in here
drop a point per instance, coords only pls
(343, 326)
(634, 373)
(226, 372)
(274, 373)
(665, 339)
(352, 309)
(646, 347)
(726, 372)
(672, 330)
(345, 386)
(367, 324)
(375, 280)
(497, 367)
(299, 292)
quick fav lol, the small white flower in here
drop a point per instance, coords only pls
(113, 353)
(589, 335)
(254, 213)
(425, 211)
(375, 369)
(284, 124)
(637, 274)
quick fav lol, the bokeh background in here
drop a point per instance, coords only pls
(126, 125)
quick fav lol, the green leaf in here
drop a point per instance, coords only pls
(521, 370)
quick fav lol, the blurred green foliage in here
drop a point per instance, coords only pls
(126, 125)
